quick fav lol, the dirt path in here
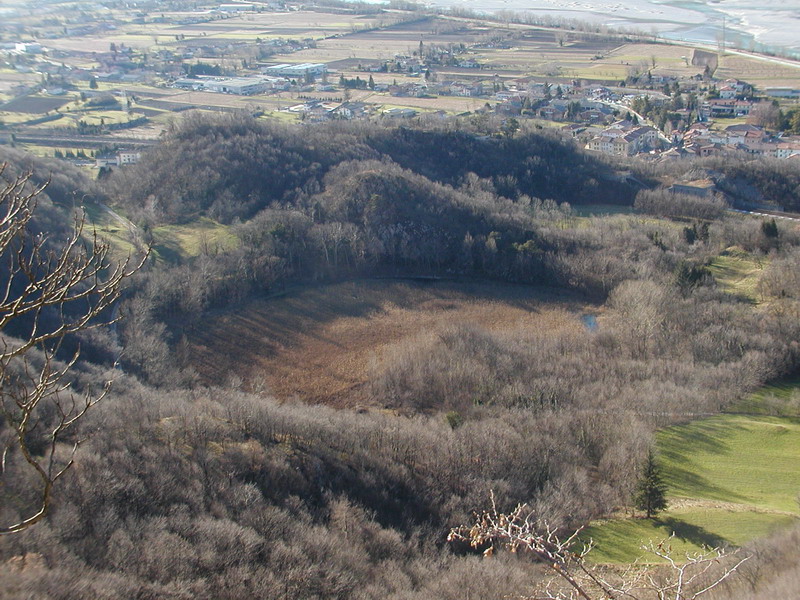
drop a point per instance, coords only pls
(696, 503)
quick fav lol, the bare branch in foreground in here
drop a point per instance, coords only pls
(48, 291)
(687, 578)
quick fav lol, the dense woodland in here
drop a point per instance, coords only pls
(187, 491)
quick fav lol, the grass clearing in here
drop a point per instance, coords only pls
(112, 228)
(777, 399)
(12, 117)
(732, 478)
(173, 243)
(602, 210)
(750, 460)
(738, 272)
(621, 541)
(50, 151)
(107, 117)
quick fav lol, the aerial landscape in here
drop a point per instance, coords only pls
(339, 299)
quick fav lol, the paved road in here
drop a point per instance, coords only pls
(774, 215)
(78, 141)
(127, 223)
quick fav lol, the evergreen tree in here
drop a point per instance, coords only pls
(651, 491)
(769, 228)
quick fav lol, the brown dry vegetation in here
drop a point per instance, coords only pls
(759, 72)
(320, 344)
(183, 491)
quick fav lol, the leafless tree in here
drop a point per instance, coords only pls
(48, 291)
(687, 578)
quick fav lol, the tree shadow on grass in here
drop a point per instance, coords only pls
(168, 252)
(681, 448)
(691, 483)
(694, 438)
(686, 532)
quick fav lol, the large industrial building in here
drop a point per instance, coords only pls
(243, 86)
(298, 70)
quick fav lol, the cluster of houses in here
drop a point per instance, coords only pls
(624, 138)
(318, 111)
(593, 111)
(726, 107)
(420, 89)
(701, 140)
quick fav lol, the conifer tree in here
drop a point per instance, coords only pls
(769, 228)
(651, 491)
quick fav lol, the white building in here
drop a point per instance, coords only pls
(299, 70)
(783, 92)
(28, 47)
(241, 86)
(230, 7)
(624, 140)
(128, 157)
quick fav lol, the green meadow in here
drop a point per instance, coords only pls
(732, 478)
(738, 272)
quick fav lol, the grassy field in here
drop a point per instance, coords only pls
(49, 151)
(170, 243)
(621, 541)
(173, 243)
(778, 399)
(111, 227)
(732, 478)
(738, 272)
(743, 459)
(602, 210)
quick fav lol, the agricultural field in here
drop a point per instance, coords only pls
(402, 39)
(451, 104)
(288, 25)
(10, 79)
(759, 72)
(346, 42)
(732, 478)
(544, 56)
(35, 105)
(229, 101)
(320, 344)
(249, 27)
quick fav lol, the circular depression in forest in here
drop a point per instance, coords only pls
(321, 344)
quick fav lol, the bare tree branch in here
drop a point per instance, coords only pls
(681, 579)
(52, 290)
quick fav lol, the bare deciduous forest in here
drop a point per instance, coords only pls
(187, 485)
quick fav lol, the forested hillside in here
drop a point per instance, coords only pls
(188, 487)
